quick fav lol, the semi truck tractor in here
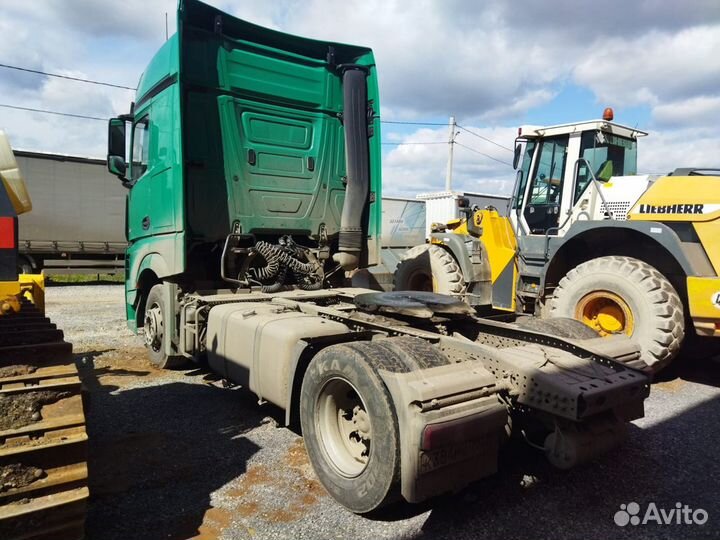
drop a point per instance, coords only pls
(254, 193)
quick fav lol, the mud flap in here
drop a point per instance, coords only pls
(451, 424)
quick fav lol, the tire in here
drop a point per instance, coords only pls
(359, 467)
(648, 306)
(154, 331)
(429, 268)
(562, 327)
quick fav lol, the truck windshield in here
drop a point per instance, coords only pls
(608, 155)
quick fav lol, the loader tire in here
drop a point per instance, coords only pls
(429, 268)
(563, 327)
(625, 295)
(350, 427)
(154, 331)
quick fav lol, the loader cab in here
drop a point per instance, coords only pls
(563, 173)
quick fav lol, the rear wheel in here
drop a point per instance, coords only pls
(615, 295)
(429, 268)
(350, 428)
(154, 330)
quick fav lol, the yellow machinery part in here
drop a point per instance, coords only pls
(709, 234)
(457, 225)
(9, 297)
(12, 179)
(498, 239)
(32, 289)
(29, 287)
(500, 243)
(704, 303)
(669, 193)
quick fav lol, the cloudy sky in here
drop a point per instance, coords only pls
(492, 64)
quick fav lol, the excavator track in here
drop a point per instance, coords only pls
(43, 442)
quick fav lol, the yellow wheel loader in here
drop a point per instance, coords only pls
(587, 238)
(43, 443)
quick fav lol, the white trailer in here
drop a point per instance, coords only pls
(78, 220)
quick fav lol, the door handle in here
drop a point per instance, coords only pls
(146, 223)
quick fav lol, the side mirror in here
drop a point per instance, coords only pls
(116, 147)
(516, 157)
(117, 166)
(463, 204)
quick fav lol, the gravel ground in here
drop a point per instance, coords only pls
(175, 455)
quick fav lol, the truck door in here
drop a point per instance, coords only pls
(152, 208)
(544, 192)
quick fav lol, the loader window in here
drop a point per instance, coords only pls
(140, 146)
(605, 152)
(519, 195)
(543, 208)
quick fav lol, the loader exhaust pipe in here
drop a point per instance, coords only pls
(357, 159)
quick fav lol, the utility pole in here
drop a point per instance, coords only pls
(451, 143)
(166, 26)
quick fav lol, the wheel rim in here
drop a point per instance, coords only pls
(344, 427)
(605, 312)
(154, 328)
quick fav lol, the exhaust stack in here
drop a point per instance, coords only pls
(357, 158)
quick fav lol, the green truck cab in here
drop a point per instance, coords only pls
(237, 128)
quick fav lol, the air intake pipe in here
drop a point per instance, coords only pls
(357, 159)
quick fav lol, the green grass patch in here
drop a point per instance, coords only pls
(72, 279)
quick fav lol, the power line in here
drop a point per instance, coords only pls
(112, 85)
(484, 154)
(67, 77)
(411, 142)
(471, 132)
(485, 139)
(412, 123)
(87, 117)
(52, 112)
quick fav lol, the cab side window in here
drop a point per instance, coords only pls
(140, 147)
(524, 174)
(542, 210)
(547, 183)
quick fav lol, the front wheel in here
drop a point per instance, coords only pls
(154, 330)
(615, 295)
(350, 428)
(429, 268)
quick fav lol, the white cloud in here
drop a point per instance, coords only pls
(696, 111)
(665, 151)
(654, 67)
(485, 62)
